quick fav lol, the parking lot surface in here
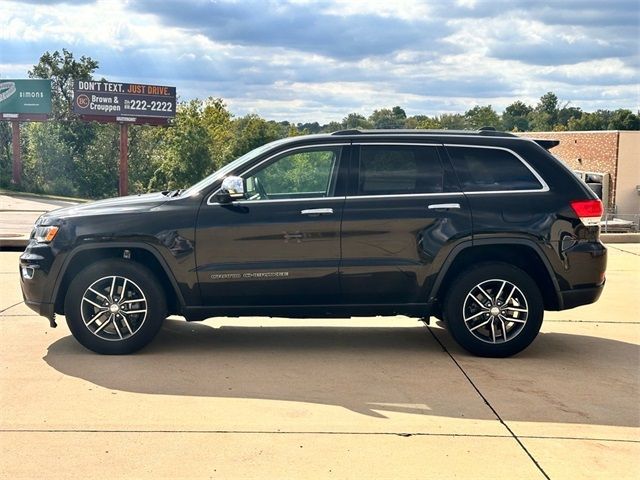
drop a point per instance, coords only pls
(361, 398)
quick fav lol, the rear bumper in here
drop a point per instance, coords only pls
(580, 296)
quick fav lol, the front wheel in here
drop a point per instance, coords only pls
(115, 306)
(494, 310)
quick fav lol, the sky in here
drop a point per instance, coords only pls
(305, 61)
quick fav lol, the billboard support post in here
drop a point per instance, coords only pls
(123, 184)
(16, 171)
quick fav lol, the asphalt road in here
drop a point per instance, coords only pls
(361, 398)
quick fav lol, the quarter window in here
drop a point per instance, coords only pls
(303, 174)
(491, 169)
(397, 169)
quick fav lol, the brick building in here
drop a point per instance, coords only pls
(613, 154)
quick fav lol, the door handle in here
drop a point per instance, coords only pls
(317, 211)
(443, 206)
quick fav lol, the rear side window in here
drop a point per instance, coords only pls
(491, 169)
(398, 169)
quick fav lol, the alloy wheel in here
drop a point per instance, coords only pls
(113, 308)
(495, 311)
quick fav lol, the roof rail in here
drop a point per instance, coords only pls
(484, 131)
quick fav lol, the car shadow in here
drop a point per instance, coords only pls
(367, 370)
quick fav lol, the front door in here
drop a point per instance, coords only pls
(281, 244)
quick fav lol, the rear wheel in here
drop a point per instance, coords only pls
(494, 310)
(115, 307)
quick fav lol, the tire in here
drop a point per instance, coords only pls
(105, 320)
(490, 321)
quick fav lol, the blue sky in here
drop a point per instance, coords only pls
(303, 60)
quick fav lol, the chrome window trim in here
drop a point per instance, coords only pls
(411, 144)
(406, 195)
(271, 157)
(545, 187)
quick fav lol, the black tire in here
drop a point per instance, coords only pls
(124, 331)
(497, 338)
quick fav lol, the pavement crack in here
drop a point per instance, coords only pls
(251, 432)
(14, 305)
(595, 322)
(622, 250)
(486, 401)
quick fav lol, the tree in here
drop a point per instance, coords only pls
(183, 158)
(48, 162)
(388, 118)
(545, 114)
(250, 132)
(63, 70)
(590, 121)
(355, 120)
(567, 113)
(623, 119)
(5, 154)
(452, 121)
(218, 122)
(515, 117)
(479, 117)
(75, 136)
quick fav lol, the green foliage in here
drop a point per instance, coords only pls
(479, 117)
(516, 117)
(452, 121)
(388, 118)
(184, 157)
(5, 154)
(355, 120)
(63, 70)
(623, 119)
(48, 163)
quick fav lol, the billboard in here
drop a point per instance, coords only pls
(25, 96)
(123, 99)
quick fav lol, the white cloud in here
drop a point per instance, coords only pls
(288, 61)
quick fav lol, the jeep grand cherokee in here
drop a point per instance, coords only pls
(484, 230)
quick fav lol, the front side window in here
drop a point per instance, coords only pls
(399, 169)
(301, 174)
(491, 169)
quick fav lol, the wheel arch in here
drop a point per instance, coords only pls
(84, 255)
(522, 253)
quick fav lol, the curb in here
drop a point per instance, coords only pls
(620, 237)
(19, 241)
(14, 193)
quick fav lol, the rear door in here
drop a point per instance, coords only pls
(403, 209)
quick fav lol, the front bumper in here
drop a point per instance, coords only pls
(36, 275)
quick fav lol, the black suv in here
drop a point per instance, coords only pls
(483, 230)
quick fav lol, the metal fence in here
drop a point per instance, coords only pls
(620, 223)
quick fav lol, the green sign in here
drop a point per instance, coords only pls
(25, 96)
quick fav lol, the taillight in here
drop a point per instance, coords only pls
(589, 211)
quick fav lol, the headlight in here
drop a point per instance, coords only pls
(45, 234)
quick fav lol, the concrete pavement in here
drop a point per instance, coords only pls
(360, 398)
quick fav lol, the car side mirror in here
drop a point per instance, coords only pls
(232, 189)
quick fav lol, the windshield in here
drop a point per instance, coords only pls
(229, 167)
